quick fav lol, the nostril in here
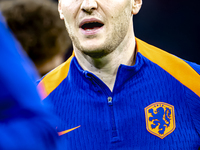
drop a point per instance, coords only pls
(88, 10)
(89, 6)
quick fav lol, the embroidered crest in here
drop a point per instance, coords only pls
(160, 119)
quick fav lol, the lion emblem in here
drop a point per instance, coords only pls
(158, 119)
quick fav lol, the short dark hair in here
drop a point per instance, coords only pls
(37, 26)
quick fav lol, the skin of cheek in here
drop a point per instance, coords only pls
(70, 9)
(119, 27)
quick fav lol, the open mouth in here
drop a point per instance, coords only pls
(91, 25)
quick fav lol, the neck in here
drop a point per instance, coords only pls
(106, 67)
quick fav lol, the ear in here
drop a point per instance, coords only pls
(60, 10)
(136, 5)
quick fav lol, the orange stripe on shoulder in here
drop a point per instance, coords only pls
(175, 66)
(53, 79)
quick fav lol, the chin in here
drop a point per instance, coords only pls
(93, 48)
(96, 53)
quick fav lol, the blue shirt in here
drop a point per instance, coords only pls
(154, 105)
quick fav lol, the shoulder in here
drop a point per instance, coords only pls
(50, 81)
(195, 66)
(185, 72)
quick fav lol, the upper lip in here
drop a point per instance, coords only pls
(91, 20)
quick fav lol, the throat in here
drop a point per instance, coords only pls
(106, 67)
(109, 80)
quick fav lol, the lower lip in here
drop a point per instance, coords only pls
(91, 31)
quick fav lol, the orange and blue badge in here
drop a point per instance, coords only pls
(160, 119)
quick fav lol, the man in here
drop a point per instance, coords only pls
(39, 30)
(118, 91)
(25, 124)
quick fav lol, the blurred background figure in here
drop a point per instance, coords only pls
(37, 26)
(25, 124)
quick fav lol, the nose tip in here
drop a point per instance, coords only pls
(89, 6)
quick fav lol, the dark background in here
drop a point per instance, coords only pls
(172, 25)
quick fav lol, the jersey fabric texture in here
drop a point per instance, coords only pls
(154, 105)
(24, 122)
